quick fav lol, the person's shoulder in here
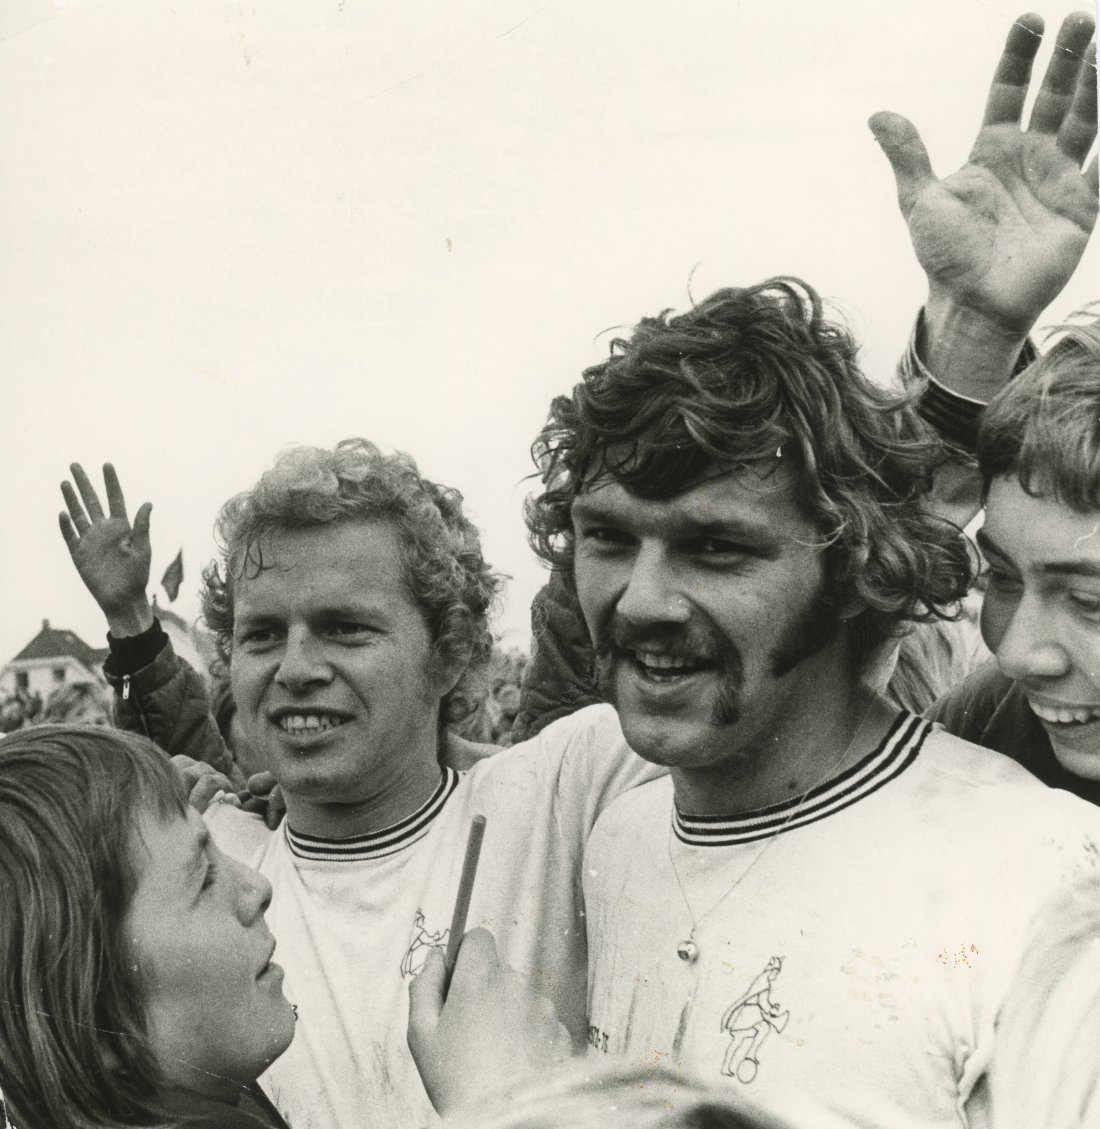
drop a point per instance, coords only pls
(986, 826)
(968, 707)
(568, 773)
(623, 829)
(970, 764)
(593, 724)
(651, 799)
(241, 835)
(963, 769)
(989, 791)
(594, 730)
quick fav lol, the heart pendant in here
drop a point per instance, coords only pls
(687, 951)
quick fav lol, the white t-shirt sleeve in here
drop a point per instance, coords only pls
(582, 762)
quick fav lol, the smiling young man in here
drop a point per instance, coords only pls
(744, 516)
(334, 666)
(1039, 456)
(684, 682)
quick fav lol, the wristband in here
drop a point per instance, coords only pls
(132, 653)
(956, 418)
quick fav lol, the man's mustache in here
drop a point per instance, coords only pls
(679, 640)
(691, 641)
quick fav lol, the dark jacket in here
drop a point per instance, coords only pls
(252, 1111)
(165, 699)
(560, 677)
(989, 708)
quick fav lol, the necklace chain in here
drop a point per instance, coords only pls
(688, 950)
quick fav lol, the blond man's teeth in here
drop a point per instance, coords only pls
(1064, 716)
(308, 722)
(664, 662)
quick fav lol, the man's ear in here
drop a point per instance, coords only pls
(447, 670)
(853, 604)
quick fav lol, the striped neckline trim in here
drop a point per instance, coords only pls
(894, 754)
(375, 844)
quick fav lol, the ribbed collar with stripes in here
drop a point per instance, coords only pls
(375, 844)
(894, 754)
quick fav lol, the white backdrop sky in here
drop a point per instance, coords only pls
(230, 226)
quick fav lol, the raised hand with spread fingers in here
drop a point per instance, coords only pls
(1000, 238)
(112, 557)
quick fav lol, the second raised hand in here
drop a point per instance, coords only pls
(1001, 237)
(112, 557)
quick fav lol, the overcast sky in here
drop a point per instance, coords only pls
(231, 226)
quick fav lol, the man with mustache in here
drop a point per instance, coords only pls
(744, 517)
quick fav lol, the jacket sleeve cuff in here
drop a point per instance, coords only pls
(132, 653)
(955, 417)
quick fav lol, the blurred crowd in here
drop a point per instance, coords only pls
(85, 703)
(492, 722)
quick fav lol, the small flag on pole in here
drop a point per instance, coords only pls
(173, 577)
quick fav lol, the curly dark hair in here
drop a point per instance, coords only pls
(445, 571)
(745, 378)
(1044, 426)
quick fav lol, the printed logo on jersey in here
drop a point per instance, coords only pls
(749, 1020)
(422, 943)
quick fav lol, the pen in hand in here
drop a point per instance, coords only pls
(465, 891)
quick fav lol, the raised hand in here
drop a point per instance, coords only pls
(1001, 237)
(111, 556)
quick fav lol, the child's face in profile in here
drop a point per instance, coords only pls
(215, 1007)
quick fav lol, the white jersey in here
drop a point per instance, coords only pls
(355, 918)
(849, 969)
